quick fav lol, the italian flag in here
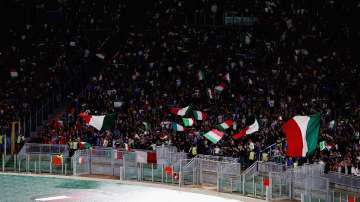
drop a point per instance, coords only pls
(248, 130)
(188, 121)
(13, 73)
(102, 122)
(180, 111)
(177, 127)
(302, 135)
(227, 77)
(220, 88)
(146, 157)
(225, 125)
(214, 135)
(199, 115)
(84, 145)
(210, 93)
(200, 75)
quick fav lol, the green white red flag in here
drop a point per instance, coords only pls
(219, 88)
(214, 136)
(302, 135)
(225, 125)
(188, 122)
(199, 115)
(248, 130)
(102, 122)
(177, 127)
(180, 111)
(13, 73)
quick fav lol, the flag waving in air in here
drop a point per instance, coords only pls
(219, 88)
(225, 125)
(214, 135)
(248, 130)
(102, 122)
(302, 135)
(177, 127)
(13, 73)
(180, 111)
(188, 122)
(199, 115)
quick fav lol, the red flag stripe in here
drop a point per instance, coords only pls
(241, 133)
(294, 138)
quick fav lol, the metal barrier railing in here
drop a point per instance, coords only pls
(44, 149)
(270, 167)
(334, 196)
(299, 183)
(125, 165)
(218, 158)
(280, 186)
(37, 163)
(343, 180)
(169, 154)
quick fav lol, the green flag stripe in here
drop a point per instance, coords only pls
(109, 121)
(322, 145)
(312, 133)
(211, 138)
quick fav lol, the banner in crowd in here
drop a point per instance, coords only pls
(302, 135)
(146, 157)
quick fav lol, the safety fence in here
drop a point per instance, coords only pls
(37, 163)
(268, 180)
(315, 185)
(280, 186)
(334, 196)
(169, 155)
(175, 168)
(108, 161)
(210, 172)
(265, 180)
(44, 149)
(218, 158)
(343, 181)
(223, 177)
(270, 167)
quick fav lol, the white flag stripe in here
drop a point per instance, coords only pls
(97, 121)
(141, 156)
(253, 127)
(302, 122)
(183, 111)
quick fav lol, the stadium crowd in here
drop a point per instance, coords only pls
(299, 58)
(44, 57)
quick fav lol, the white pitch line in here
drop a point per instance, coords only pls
(52, 198)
